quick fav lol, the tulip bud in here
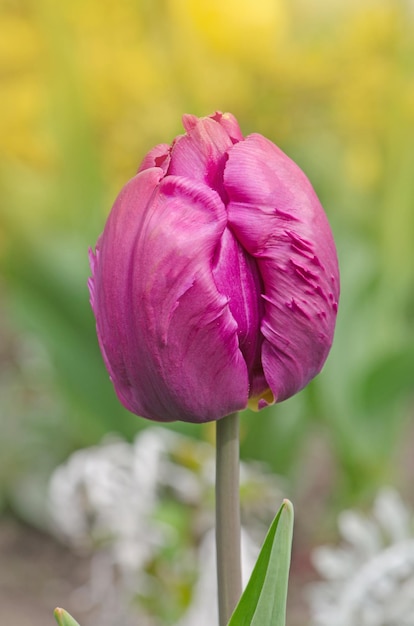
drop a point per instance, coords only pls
(215, 282)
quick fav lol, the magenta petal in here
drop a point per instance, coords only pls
(230, 124)
(110, 269)
(226, 121)
(277, 218)
(167, 333)
(159, 156)
(201, 153)
(236, 275)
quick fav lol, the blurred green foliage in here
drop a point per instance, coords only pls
(87, 88)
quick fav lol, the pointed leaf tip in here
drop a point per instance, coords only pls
(288, 506)
(263, 602)
(63, 618)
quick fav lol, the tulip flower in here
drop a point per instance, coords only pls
(215, 282)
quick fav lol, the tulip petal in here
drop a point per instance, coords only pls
(277, 218)
(230, 124)
(201, 153)
(159, 156)
(109, 286)
(236, 275)
(167, 333)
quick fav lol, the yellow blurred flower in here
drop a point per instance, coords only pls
(246, 30)
(22, 92)
(120, 74)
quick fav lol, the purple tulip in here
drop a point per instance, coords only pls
(215, 282)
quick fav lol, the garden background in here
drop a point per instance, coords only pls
(87, 87)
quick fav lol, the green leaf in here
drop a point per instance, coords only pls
(263, 602)
(64, 619)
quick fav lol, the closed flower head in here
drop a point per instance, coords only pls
(215, 282)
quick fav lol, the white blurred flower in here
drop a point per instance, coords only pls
(106, 495)
(369, 580)
(203, 610)
(128, 503)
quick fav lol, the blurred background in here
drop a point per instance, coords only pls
(87, 87)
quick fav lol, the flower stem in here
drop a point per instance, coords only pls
(228, 516)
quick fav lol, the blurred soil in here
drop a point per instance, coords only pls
(36, 575)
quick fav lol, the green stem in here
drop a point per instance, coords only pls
(228, 516)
